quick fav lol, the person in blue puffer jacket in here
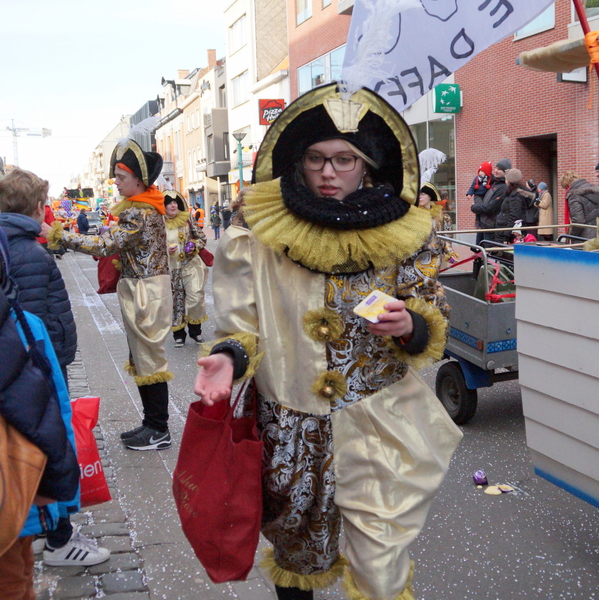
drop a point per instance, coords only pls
(41, 287)
(34, 399)
(41, 291)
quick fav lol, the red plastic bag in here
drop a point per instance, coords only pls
(108, 274)
(217, 486)
(94, 489)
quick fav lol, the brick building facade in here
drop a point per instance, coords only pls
(315, 36)
(542, 126)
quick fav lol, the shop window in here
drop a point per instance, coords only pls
(326, 3)
(440, 134)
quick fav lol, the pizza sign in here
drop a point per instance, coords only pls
(270, 110)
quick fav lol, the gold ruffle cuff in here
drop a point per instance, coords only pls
(353, 593)
(438, 328)
(250, 344)
(196, 321)
(130, 368)
(314, 581)
(160, 377)
(55, 235)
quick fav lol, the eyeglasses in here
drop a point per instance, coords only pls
(313, 161)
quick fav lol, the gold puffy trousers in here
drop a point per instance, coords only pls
(147, 308)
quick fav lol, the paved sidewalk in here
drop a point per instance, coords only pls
(150, 557)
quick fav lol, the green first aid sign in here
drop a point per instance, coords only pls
(448, 98)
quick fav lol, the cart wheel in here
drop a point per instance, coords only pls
(458, 400)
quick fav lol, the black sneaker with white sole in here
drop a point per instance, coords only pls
(149, 439)
(131, 432)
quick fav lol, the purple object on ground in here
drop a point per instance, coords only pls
(480, 478)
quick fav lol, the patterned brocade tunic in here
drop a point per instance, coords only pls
(139, 238)
(301, 518)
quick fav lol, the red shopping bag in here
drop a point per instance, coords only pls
(218, 489)
(108, 274)
(94, 489)
(207, 257)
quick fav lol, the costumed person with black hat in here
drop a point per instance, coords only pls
(351, 433)
(427, 199)
(144, 288)
(189, 274)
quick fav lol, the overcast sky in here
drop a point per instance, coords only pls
(77, 66)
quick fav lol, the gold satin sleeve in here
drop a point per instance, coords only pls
(235, 310)
(233, 286)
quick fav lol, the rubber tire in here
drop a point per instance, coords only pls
(458, 400)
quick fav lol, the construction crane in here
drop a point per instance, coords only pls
(17, 131)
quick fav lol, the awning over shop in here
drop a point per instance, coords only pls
(560, 57)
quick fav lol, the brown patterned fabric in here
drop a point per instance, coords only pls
(300, 517)
(139, 238)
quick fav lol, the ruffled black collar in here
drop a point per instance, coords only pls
(365, 208)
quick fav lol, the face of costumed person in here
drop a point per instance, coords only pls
(127, 183)
(171, 209)
(340, 175)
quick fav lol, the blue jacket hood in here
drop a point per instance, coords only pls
(17, 224)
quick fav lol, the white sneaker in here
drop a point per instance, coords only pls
(38, 544)
(77, 551)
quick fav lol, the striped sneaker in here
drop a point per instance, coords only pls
(77, 551)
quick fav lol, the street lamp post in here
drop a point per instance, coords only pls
(239, 136)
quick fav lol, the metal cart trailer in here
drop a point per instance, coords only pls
(482, 335)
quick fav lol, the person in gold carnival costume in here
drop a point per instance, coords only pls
(144, 288)
(428, 195)
(351, 432)
(189, 274)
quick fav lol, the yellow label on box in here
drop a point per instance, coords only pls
(372, 306)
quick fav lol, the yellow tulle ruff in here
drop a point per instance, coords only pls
(315, 581)
(353, 593)
(438, 328)
(325, 249)
(250, 344)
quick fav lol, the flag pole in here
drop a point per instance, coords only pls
(582, 17)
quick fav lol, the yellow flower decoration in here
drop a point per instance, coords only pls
(323, 325)
(330, 385)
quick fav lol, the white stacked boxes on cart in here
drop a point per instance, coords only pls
(557, 311)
